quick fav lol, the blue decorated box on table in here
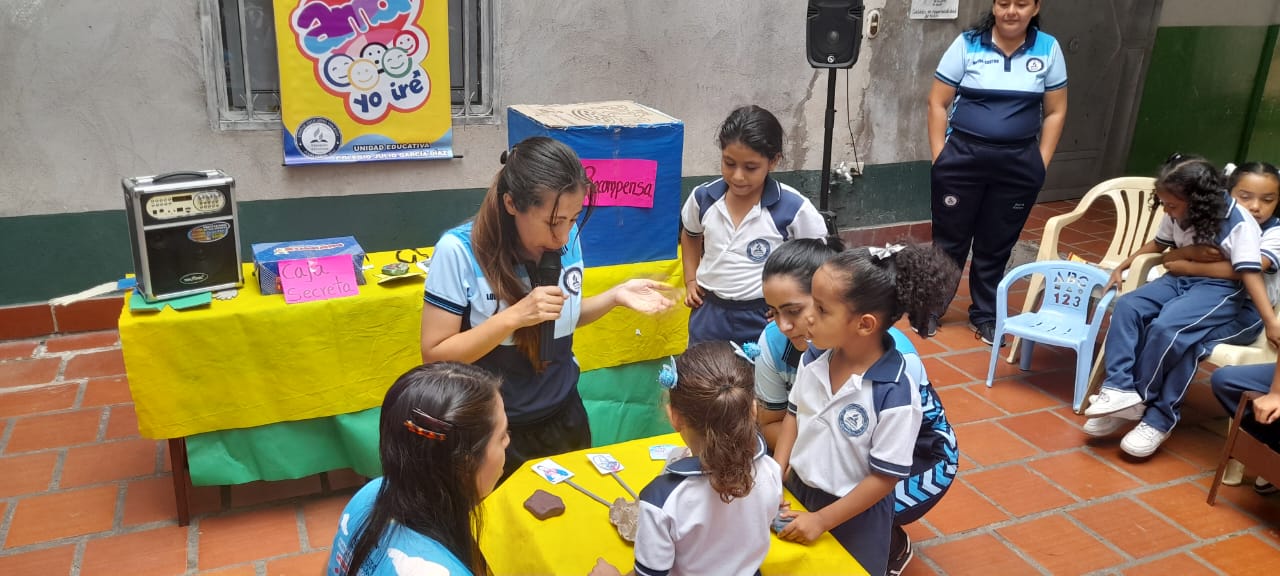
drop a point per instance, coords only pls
(632, 137)
(267, 257)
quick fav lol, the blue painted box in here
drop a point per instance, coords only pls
(619, 131)
(268, 255)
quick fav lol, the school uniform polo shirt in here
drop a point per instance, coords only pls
(779, 359)
(733, 257)
(684, 527)
(1239, 238)
(457, 285)
(1000, 98)
(1270, 248)
(869, 425)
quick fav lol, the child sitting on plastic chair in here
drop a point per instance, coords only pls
(1157, 332)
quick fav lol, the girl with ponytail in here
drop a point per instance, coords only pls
(483, 307)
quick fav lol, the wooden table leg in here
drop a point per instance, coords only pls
(181, 478)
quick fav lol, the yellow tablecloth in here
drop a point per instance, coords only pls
(254, 360)
(514, 542)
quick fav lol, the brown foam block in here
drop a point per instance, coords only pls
(544, 505)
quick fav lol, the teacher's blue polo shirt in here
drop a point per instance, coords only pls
(999, 98)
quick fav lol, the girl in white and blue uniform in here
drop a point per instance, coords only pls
(710, 511)
(996, 112)
(443, 431)
(481, 306)
(783, 347)
(1157, 332)
(730, 225)
(854, 414)
(1255, 186)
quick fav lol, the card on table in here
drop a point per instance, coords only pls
(605, 463)
(660, 451)
(552, 472)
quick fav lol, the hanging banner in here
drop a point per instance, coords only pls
(364, 80)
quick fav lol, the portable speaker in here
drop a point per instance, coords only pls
(833, 33)
(184, 234)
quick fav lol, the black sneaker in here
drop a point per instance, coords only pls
(933, 328)
(900, 551)
(1264, 488)
(987, 333)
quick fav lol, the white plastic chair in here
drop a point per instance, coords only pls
(1063, 317)
(1136, 224)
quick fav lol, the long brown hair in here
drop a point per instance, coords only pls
(714, 394)
(429, 485)
(535, 171)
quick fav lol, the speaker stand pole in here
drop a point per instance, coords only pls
(828, 130)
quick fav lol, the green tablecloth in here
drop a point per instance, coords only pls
(623, 403)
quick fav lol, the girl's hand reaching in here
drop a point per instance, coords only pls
(603, 568)
(805, 527)
(645, 296)
(1273, 334)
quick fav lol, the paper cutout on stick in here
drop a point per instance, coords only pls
(552, 472)
(311, 279)
(626, 182)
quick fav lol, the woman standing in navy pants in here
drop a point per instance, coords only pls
(996, 111)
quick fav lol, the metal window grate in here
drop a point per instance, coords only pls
(244, 81)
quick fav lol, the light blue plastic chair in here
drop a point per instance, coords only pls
(1062, 319)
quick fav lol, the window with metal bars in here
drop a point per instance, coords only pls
(244, 81)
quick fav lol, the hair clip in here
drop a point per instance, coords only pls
(1228, 169)
(887, 251)
(430, 421)
(667, 376)
(749, 351)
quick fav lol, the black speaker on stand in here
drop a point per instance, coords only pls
(833, 35)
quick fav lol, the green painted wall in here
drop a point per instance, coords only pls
(42, 257)
(1197, 94)
(1211, 90)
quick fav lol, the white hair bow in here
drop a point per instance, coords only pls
(887, 251)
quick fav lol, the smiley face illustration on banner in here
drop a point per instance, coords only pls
(379, 60)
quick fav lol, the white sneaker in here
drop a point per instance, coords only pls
(1106, 425)
(1142, 441)
(1109, 401)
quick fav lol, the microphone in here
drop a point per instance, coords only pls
(548, 275)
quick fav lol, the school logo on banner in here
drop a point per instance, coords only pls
(364, 80)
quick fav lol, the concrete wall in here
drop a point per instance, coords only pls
(96, 91)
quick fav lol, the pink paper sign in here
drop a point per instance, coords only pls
(311, 279)
(626, 183)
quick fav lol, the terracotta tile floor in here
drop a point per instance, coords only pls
(82, 493)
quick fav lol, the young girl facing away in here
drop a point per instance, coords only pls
(443, 434)
(709, 513)
(730, 225)
(788, 280)
(1158, 332)
(854, 413)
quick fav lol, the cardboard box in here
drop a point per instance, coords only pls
(633, 153)
(268, 255)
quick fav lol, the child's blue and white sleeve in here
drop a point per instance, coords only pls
(691, 215)
(951, 67)
(655, 531)
(1270, 248)
(1166, 233)
(808, 223)
(771, 387)
(1243, 241)
(449, 282)
(894, 439)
